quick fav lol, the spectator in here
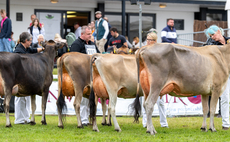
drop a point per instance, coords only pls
(85, 46)
(77, 29)
(168, 34)
(128, 43)
(152, 39)
(92, 26)
(12, 43)
(116, 40)
(109, 34)
(101, 30)
(32, 17)
(5, 32)
(35, 30)
(218, 38)
(136, 43)
(38, 44)
(22, 104)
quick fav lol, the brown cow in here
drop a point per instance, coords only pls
(74, 80)
(183, 71)
(113, 76)
(27, 75)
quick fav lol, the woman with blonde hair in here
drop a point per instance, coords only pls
(152, 39)
(136, 42)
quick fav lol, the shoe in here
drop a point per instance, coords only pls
(225, 128)
(165, 126)
(22, 123)
(85, 124)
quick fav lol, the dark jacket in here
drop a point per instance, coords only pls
(210, 41)
(6, 29)
(21, 49)
(79, 46)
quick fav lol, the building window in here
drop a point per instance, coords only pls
(179, 24)
(214, 17)
(19, 16)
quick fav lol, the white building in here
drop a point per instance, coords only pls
(66, 12)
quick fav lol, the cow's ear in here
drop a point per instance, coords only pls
(43, 44)
(59, 45)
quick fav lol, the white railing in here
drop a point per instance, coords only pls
(188, 38)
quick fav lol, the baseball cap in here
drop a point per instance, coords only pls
(97, 12)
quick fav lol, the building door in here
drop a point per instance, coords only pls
(61, 22)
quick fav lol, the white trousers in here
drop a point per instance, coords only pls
(84, 110)
(22, 109)
(225, 105)
(161, 108)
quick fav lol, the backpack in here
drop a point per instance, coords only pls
(70, 38)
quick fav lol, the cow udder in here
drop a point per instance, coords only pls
(144, 80)
(67, 84)
(99, 87)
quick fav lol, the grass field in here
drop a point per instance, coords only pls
(180, 129)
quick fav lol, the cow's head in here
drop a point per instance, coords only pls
(52, 43)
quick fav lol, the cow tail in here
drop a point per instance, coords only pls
(92, 103)
(61, 104)
(136, 104)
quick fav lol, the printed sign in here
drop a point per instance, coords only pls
(173, 105)
(52, 22)
(90, 49)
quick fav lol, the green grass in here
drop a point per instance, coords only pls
(180, 129)
(55, 71)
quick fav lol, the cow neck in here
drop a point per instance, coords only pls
(50, 54)
(225, 50)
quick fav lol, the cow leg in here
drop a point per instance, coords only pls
(112, 106)
(205, 112)
(44, 101)
(214, 100)
(95, 128)
(104, 108)
(77, 103)
(149, 106)
(109, 123)
(33, 107)
(60, 123)
(7, 107)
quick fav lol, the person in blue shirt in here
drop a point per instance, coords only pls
(5, 32)
(168, 34)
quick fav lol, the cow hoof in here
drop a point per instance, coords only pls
(61, 127)
(32, 123)
(95, 130)
(103, 124)
(8, 126)
(118, 130)
(81, 127)
(44, 123)
(109, 124)
(151, 133)
(203, 129)
(212, 130)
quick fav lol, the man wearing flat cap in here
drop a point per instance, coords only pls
(101, 30)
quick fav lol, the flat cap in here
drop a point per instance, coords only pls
(97, 12)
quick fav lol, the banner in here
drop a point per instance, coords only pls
(173, 105)
(52, 24)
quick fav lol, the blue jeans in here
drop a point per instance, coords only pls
(5, 45)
